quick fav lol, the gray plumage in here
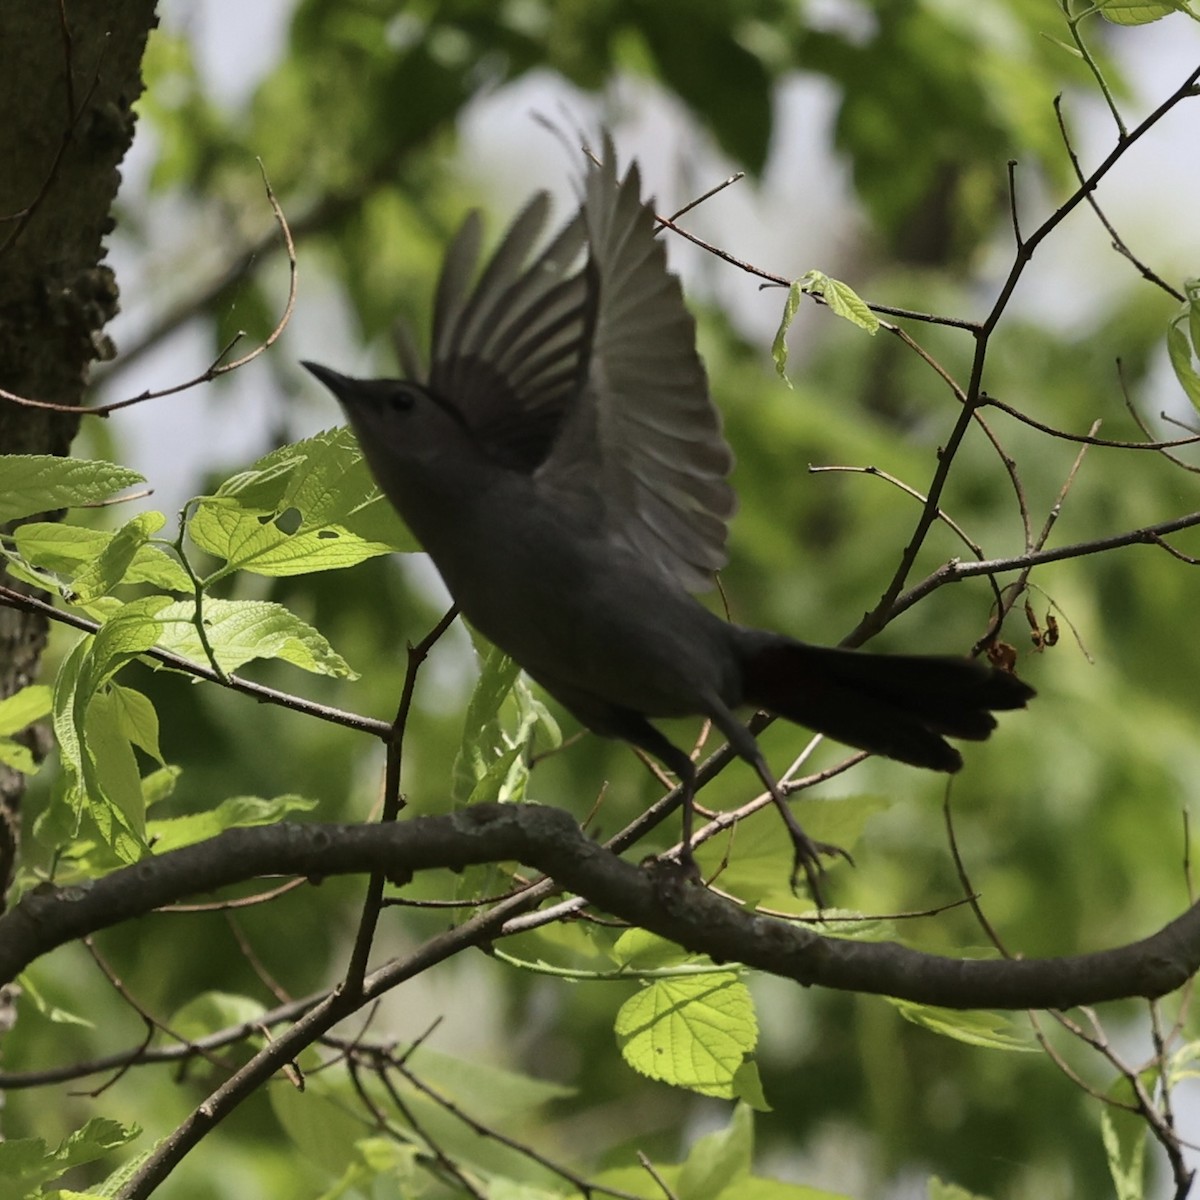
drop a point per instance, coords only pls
(564, 466)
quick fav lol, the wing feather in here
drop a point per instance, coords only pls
(510, 350)
(644, 434)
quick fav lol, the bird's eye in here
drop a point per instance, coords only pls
(403, 398)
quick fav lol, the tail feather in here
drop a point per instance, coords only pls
(900, 706)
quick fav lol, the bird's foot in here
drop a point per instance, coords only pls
(807, 860)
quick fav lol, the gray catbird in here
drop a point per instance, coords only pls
(564, 467)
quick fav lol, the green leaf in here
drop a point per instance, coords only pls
(105, 571)
(311, 506)
(779, 350)
(251, 542)
(18, 757)
(59, 1016)
(485, 755)
(27, 1163)
(66, 549)
(17, 713)
(40, 483)
(1181, 349)
(66, 689)
(502, 720)
(114, 776)
(238, 812)
(160, 784)
(692, 1032)
(842, 300)
(990, 1030)
(241, 630)
(640, 950)
(1125, 1150)
(137, 719)
(493, 1094)
(91, 726)
(21, 709)
(324, 1130)
(1192, 290)
(748, 1086)
(719, 1160)
(210, 1012)
(1140, 12)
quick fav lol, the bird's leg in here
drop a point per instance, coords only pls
(806, 853)
(634, 728)
(687, 784)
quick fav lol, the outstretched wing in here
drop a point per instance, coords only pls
(510, 352)
(643, 433)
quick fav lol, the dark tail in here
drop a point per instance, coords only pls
(900, 706)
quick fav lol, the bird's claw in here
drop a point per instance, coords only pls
(807, 859)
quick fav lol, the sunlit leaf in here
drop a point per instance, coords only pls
(41, 483)
(692, 1031)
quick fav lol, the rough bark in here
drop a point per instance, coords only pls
(70, 75)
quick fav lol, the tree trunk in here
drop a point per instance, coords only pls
(70, 74)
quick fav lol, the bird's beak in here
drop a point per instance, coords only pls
(341, 386)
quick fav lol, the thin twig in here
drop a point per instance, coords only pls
(11, 598)
(217, 367)
(393, 802)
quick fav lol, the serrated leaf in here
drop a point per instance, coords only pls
(109, 567)
(1140, 12)
(238, 812)
(66, 687)
(990, 1030)
(692, 1031)
(241, 630)
(249, 541)
(40, 483)
(68, 549)
(28, 1163)
(489, 765)
(310, 506)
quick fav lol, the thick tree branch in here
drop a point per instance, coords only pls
(657, 899)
